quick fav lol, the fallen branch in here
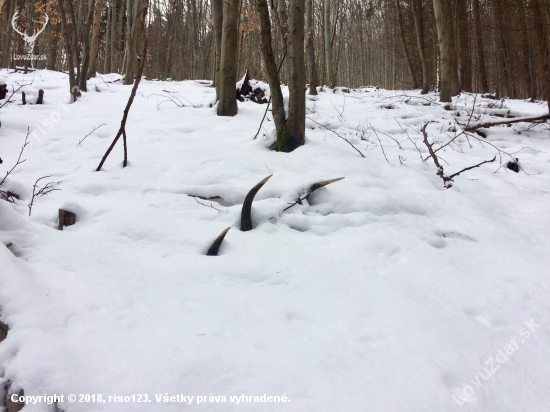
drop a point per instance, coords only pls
(485, 125)
(440, 172)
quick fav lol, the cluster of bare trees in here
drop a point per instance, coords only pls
(496, 46)
(489, 46)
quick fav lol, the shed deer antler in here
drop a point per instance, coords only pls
(29, 40)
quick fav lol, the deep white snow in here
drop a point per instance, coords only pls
(386, 292)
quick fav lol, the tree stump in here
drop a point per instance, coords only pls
(40, 99)
(66, 219)
(3, 91)
(23, 98)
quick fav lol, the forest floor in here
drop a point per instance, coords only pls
(385, 292)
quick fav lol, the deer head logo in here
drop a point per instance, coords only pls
(29, 40)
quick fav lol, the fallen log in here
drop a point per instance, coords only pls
(485, 125)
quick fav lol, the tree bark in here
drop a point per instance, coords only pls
(479, 46)
(448, 9)
(277, 102)
(69, 50)
(444, 34)
(418, 17)
(134, 46)
(217, 17)
(94, 47)
(293, 134)
(7, 50)
(227, 105)
(465, 73)
(312, 67)
(401, 26)
(87, 34)
(541, 35)
(328, 47)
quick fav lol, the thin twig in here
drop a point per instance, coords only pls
(95, 128)
(471, 167)
(200, 203)
(269, 102)
(19, 161)
(381, 145)
(13, 92)
(43, 191)
(341, 137)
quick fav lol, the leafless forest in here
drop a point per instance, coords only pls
(496, 46)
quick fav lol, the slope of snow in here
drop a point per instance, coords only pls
(386, 292)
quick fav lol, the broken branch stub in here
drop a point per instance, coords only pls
(246, 218)
(66, 219)
(213, 250)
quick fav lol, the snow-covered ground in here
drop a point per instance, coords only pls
(386, 292)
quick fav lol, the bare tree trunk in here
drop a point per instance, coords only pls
(464, 36)
(404, 43)
(418, 17)
(328, 47)
(293, 134)
(54, 45)
(282, 17)
(86, 38)
(448, 6)
(272, 74)
(506, 83)
(74, 45)
(107, 60)
(135, 41)
(312, 67)
(94, 47)
(526, 53)
(444, 34)
(217, 17)
(479, 46)
(69, 50)
(543, 47)
(7, 50)
(227, 105)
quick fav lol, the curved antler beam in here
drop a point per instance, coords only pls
(246, 218)
(213, 250)
(319, 185)
(312, 189)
